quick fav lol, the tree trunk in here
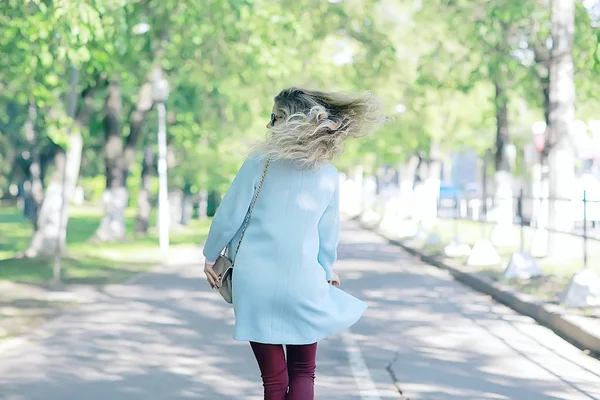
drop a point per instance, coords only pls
(358, 203)
(380, 179)
(136, 121)
(34, 188)
(202, 204)
(112, 226)
(502, 213)
(187, 207)
(502, 134)
(540, 208)
(50, 235)
(407, 176)
(119, 159)
(561, 160)
(431, 187)
(502, 177)
(175, 209)
(213, 201)
(144, 206)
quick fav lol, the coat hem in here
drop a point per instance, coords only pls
(250, 338)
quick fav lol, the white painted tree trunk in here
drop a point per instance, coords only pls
(359, 175)
(431, 195)
(112, 226)
(202, 204)
(503, 212)
(351, 193)
(503, 234)
(561, 159)
(34, 187)
(51, 234)
(407, 183)
(187, 208)
(143, 204)
(175, 208)
(431, 188)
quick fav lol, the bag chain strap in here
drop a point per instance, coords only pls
(247, 219)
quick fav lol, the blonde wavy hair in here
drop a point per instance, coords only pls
(316, 124)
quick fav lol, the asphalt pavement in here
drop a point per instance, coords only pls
(166, 335)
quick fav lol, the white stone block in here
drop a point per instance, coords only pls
(387, 225)
(406, 229)
(457, 249)
(433, 240)
(521, 266)
(389, 222)
(583, 290)
(483, 254)
(420, 234)
(370, 218)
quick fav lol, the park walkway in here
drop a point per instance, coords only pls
(168, 336)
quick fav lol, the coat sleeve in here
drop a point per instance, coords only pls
(232, 211)
(329, 234)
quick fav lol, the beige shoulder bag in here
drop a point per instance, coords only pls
(224, 266)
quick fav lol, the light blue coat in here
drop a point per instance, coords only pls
(280, 289)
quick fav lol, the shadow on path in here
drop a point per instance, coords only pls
(450, 342)
(168, 336)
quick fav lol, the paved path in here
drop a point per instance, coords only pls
(167, 336)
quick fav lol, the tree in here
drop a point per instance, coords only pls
(43, 52)
(563, 40)
(227, 83)
(490, 53)
(561, 112)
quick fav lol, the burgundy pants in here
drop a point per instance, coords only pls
(298, 374)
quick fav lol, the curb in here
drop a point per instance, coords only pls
(549, 315)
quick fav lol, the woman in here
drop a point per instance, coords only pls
(284, 285)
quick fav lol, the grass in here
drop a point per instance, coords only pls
(15, 232)
(84, 261)
(557, 270)
(24, 283)
(569, 261)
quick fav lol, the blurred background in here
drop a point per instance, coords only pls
(111, 108)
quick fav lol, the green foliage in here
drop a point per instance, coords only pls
(93, 187)
(433, 63)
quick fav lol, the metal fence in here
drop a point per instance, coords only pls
(529, 212)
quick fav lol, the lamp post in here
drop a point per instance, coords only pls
(160, 94)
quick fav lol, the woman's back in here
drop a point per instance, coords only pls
(285, 219)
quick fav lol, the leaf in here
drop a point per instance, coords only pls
(52, 79)
(83, 54)
(45, 57)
